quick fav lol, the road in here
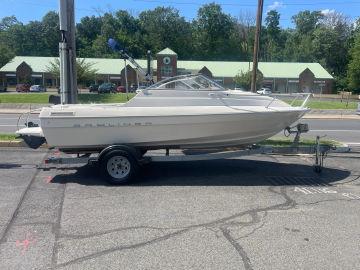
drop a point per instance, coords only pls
(9, 122)
(347, 131)
(262, 212)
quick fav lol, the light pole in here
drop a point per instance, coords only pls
(67, 53)
(256, 44)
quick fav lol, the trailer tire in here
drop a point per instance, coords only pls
(118, 167)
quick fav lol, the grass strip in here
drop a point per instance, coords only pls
(303, 142)
(327, 105)
(7, 137)
(43, 98)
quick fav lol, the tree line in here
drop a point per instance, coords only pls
(331, 39)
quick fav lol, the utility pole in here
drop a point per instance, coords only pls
(256, 44)
(67, 49)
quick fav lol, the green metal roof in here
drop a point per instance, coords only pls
(167, 51)
(292, 70)
(103, 66)
(268, 69)
(218, 68)
(37, 64)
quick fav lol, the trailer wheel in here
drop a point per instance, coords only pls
(118, 167)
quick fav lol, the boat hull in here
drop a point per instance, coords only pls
(199, 130)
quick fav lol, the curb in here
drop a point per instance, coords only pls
(17, 143)
(14, 143)
(12, 111)
(331, 116)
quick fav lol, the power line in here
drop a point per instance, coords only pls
(249, 5)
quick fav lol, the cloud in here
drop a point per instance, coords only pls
(276, 5)
(327, 11)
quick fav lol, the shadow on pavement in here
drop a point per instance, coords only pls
(226, 172)
(9, 166)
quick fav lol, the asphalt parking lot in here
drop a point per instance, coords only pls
(259, 212)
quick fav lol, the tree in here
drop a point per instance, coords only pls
(273, 38)
(243, 79)
(245, 26)
(307, 21)
(272, 22)
(85, 71)
(164, 27)
(7, 22)
(50, 34)
(6, 54)
(299, 45)
(353, 74)
(212, 30)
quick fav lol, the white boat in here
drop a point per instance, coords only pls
(189, 111)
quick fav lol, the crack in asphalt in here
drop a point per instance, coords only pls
(56, 229)
(221, 223)
(73, 236)
(22, 199)
(245, 258)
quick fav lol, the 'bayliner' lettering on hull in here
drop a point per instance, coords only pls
(90, 125)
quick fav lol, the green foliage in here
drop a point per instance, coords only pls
(303, 142)
(38, 38)
(354, 66)
(85, 71)
(43, 98)
(212, 35)
(244, 80)
(307, 21)
(273, 40)
(7, 137)
(6, 54)
(327, 105)
(33, 98)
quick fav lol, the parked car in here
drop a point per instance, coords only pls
(23, 87)
(93, 87)
(133, 88)
(107, 88)
(3, 88)
(37, 88)
(264, 91)
(121, 89)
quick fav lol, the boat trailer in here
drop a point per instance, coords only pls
(121, 163)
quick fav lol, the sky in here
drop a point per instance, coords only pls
(29, 10)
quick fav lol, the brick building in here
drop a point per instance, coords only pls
(280, 77)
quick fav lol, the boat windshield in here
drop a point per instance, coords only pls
(187, 82)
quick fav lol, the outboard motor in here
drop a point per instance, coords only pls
(33, 141)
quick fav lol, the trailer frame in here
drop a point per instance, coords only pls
(134, 158)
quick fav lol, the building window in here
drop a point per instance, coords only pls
(166, 71)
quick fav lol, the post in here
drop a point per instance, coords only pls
(67, 49)
(256, 44)
(126, 80)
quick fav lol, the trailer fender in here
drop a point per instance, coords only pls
(129, 149)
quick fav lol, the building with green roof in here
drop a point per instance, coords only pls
(278, 76)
